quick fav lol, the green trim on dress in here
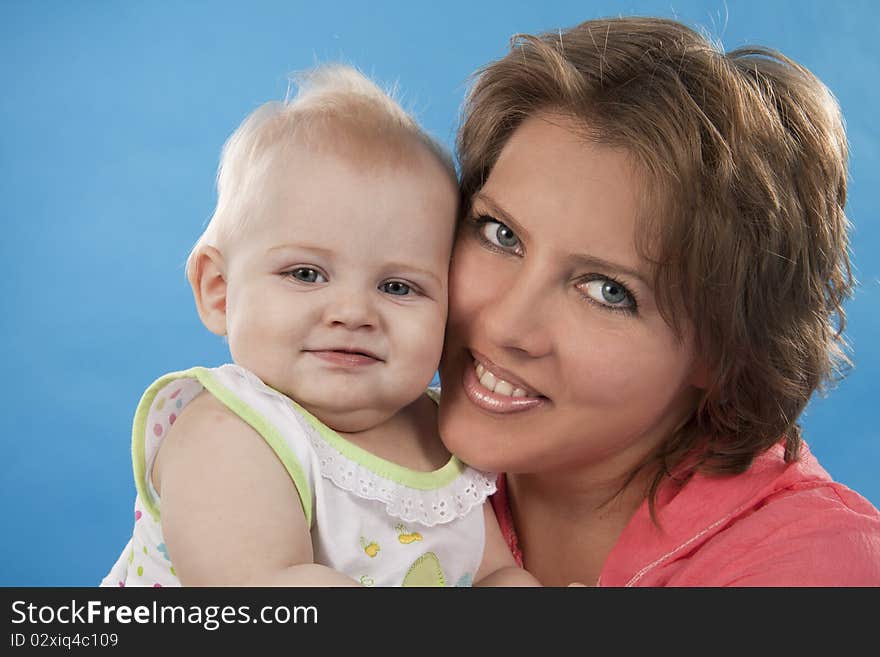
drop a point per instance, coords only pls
(262, 426)
(397, 473)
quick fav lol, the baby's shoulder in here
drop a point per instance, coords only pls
(205, 414)
(206, 435)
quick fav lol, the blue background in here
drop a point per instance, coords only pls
(112, 116)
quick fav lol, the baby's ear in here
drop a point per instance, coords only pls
(207, 276)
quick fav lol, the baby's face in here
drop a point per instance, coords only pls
(337, 289)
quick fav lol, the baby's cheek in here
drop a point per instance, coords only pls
(428, 351)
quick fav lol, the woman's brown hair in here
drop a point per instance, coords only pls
(744, 158)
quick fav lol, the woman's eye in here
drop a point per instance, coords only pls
(308, 275)
(609, 292)
(395, 287)
(499, 234)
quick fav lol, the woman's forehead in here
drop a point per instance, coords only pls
(549, 178)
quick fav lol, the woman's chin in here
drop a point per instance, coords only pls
(462, 436)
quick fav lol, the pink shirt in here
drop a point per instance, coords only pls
(777, 524)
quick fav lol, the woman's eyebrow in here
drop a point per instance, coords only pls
(594, 262)
(501, 214)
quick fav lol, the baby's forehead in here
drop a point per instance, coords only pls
(321, 161)
(337, 167)
(369, 146)
(356, 171)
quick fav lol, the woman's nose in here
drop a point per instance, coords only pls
(518, 315)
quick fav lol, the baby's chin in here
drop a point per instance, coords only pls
(346, 407)
(350, 421)
(416, 409)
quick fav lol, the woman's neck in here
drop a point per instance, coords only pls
(567, 523)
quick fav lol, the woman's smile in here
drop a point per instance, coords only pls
(496, 390)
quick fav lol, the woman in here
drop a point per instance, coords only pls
(646, 290)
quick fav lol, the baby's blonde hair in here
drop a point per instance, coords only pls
(335, 105)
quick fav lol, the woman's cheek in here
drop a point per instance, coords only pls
(634, 371)
(600, 362)
(472, 282)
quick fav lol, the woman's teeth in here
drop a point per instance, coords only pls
(499, 386)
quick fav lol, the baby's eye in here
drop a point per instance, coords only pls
(498, 234)
(398, 288)
(308, 275)
(609, 293)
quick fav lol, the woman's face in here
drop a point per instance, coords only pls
(556, 355)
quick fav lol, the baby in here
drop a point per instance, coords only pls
(315, 459)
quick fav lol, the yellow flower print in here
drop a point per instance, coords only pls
(370, 547)
(405, 536)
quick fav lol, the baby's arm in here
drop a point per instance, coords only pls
(231, 516)
(498, 567)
